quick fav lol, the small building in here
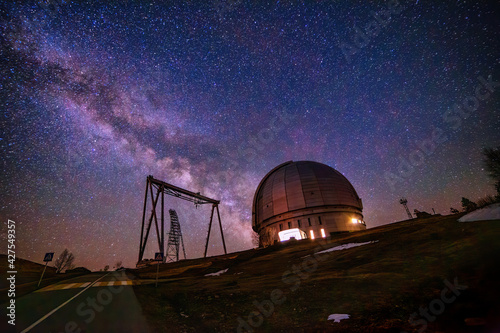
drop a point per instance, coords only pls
(308, 196)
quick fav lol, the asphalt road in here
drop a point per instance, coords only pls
(96, 302)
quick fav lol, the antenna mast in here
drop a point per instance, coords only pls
(404, 202)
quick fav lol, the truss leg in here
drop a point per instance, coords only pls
(209, 227)
(177, 253)
(143, 220)
(183, 249)
(162, 247)
(221, 232)
(154, 214)
(155, 201)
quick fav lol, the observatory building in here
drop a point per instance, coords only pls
(307, 198)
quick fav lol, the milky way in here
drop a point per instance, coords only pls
(210, 96)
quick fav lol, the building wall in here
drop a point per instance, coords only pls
(331, 219)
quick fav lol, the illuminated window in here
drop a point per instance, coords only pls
(319, 219)
(281, 226)
(354, 220)
(312, 234)
(291, 233)
(323, 233)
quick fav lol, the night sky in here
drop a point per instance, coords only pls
(211, 95)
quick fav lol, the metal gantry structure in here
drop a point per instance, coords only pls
(404, 202)
(161, 189)
(174, 238)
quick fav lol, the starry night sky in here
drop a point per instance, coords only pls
(211, 95)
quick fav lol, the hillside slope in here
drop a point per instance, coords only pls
(385, 285)
(28, 271)
(28, 275)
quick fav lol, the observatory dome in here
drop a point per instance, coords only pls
(309, 196)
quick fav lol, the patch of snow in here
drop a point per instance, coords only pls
(345, 247)
(491, 212)
(337, 317)
(217, 273)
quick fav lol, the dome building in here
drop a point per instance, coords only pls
(305, 199)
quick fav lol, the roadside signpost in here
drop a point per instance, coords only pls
(48, 257)
(158, 259)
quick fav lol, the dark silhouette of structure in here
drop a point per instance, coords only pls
(421, 215)
(174, 239)
(404, 202)
(163, 188)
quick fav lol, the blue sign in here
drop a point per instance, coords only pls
(159, 256)
(48, 256)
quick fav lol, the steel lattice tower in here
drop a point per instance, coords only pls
(174, 238)
(404, 202)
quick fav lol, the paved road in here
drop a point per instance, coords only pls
(96, 302)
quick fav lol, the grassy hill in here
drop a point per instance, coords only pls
(28, 271)
(408, 268)
(28, 275)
